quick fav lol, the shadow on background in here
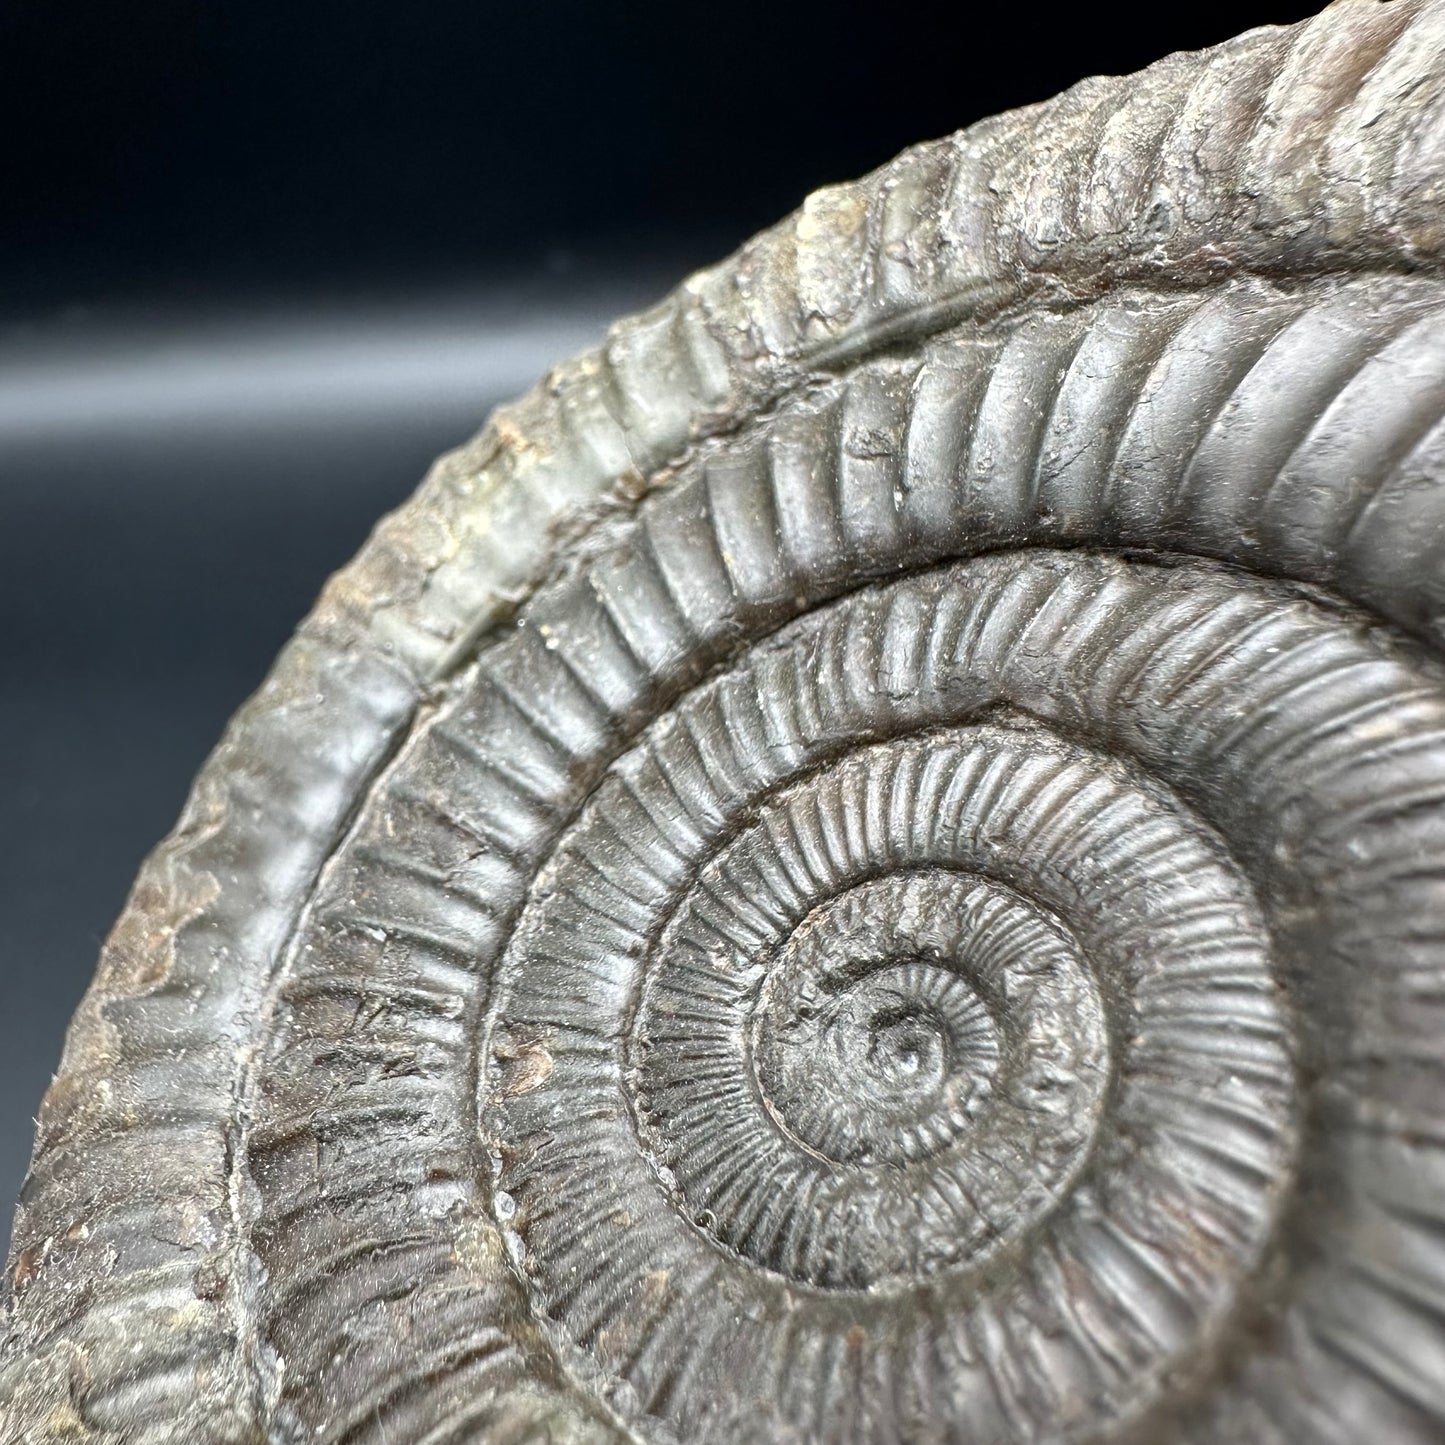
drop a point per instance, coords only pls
(260, 263)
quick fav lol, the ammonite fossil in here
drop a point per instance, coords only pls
(867, 864)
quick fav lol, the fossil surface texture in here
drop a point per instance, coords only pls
(866, 864)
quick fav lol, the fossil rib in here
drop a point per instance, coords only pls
(867, 863)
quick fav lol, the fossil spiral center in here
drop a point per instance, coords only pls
(922, 1029)
(876, 1051)
(901, 1046)
(908, 1049)
(881, 1026)
(881, 1048)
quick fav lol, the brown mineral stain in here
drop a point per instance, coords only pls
(524, 1067)
(141, 951)
(620, 1339)
(513, 438)
(27, 1266)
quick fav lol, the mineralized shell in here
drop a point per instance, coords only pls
(866, 864)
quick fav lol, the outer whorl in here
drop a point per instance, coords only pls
(866, 864)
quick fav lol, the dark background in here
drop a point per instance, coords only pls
(260, 261)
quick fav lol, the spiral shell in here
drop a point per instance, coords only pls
(865, 865)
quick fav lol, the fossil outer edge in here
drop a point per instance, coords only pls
(1079, 474)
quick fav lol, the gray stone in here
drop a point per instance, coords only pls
(867, 863)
